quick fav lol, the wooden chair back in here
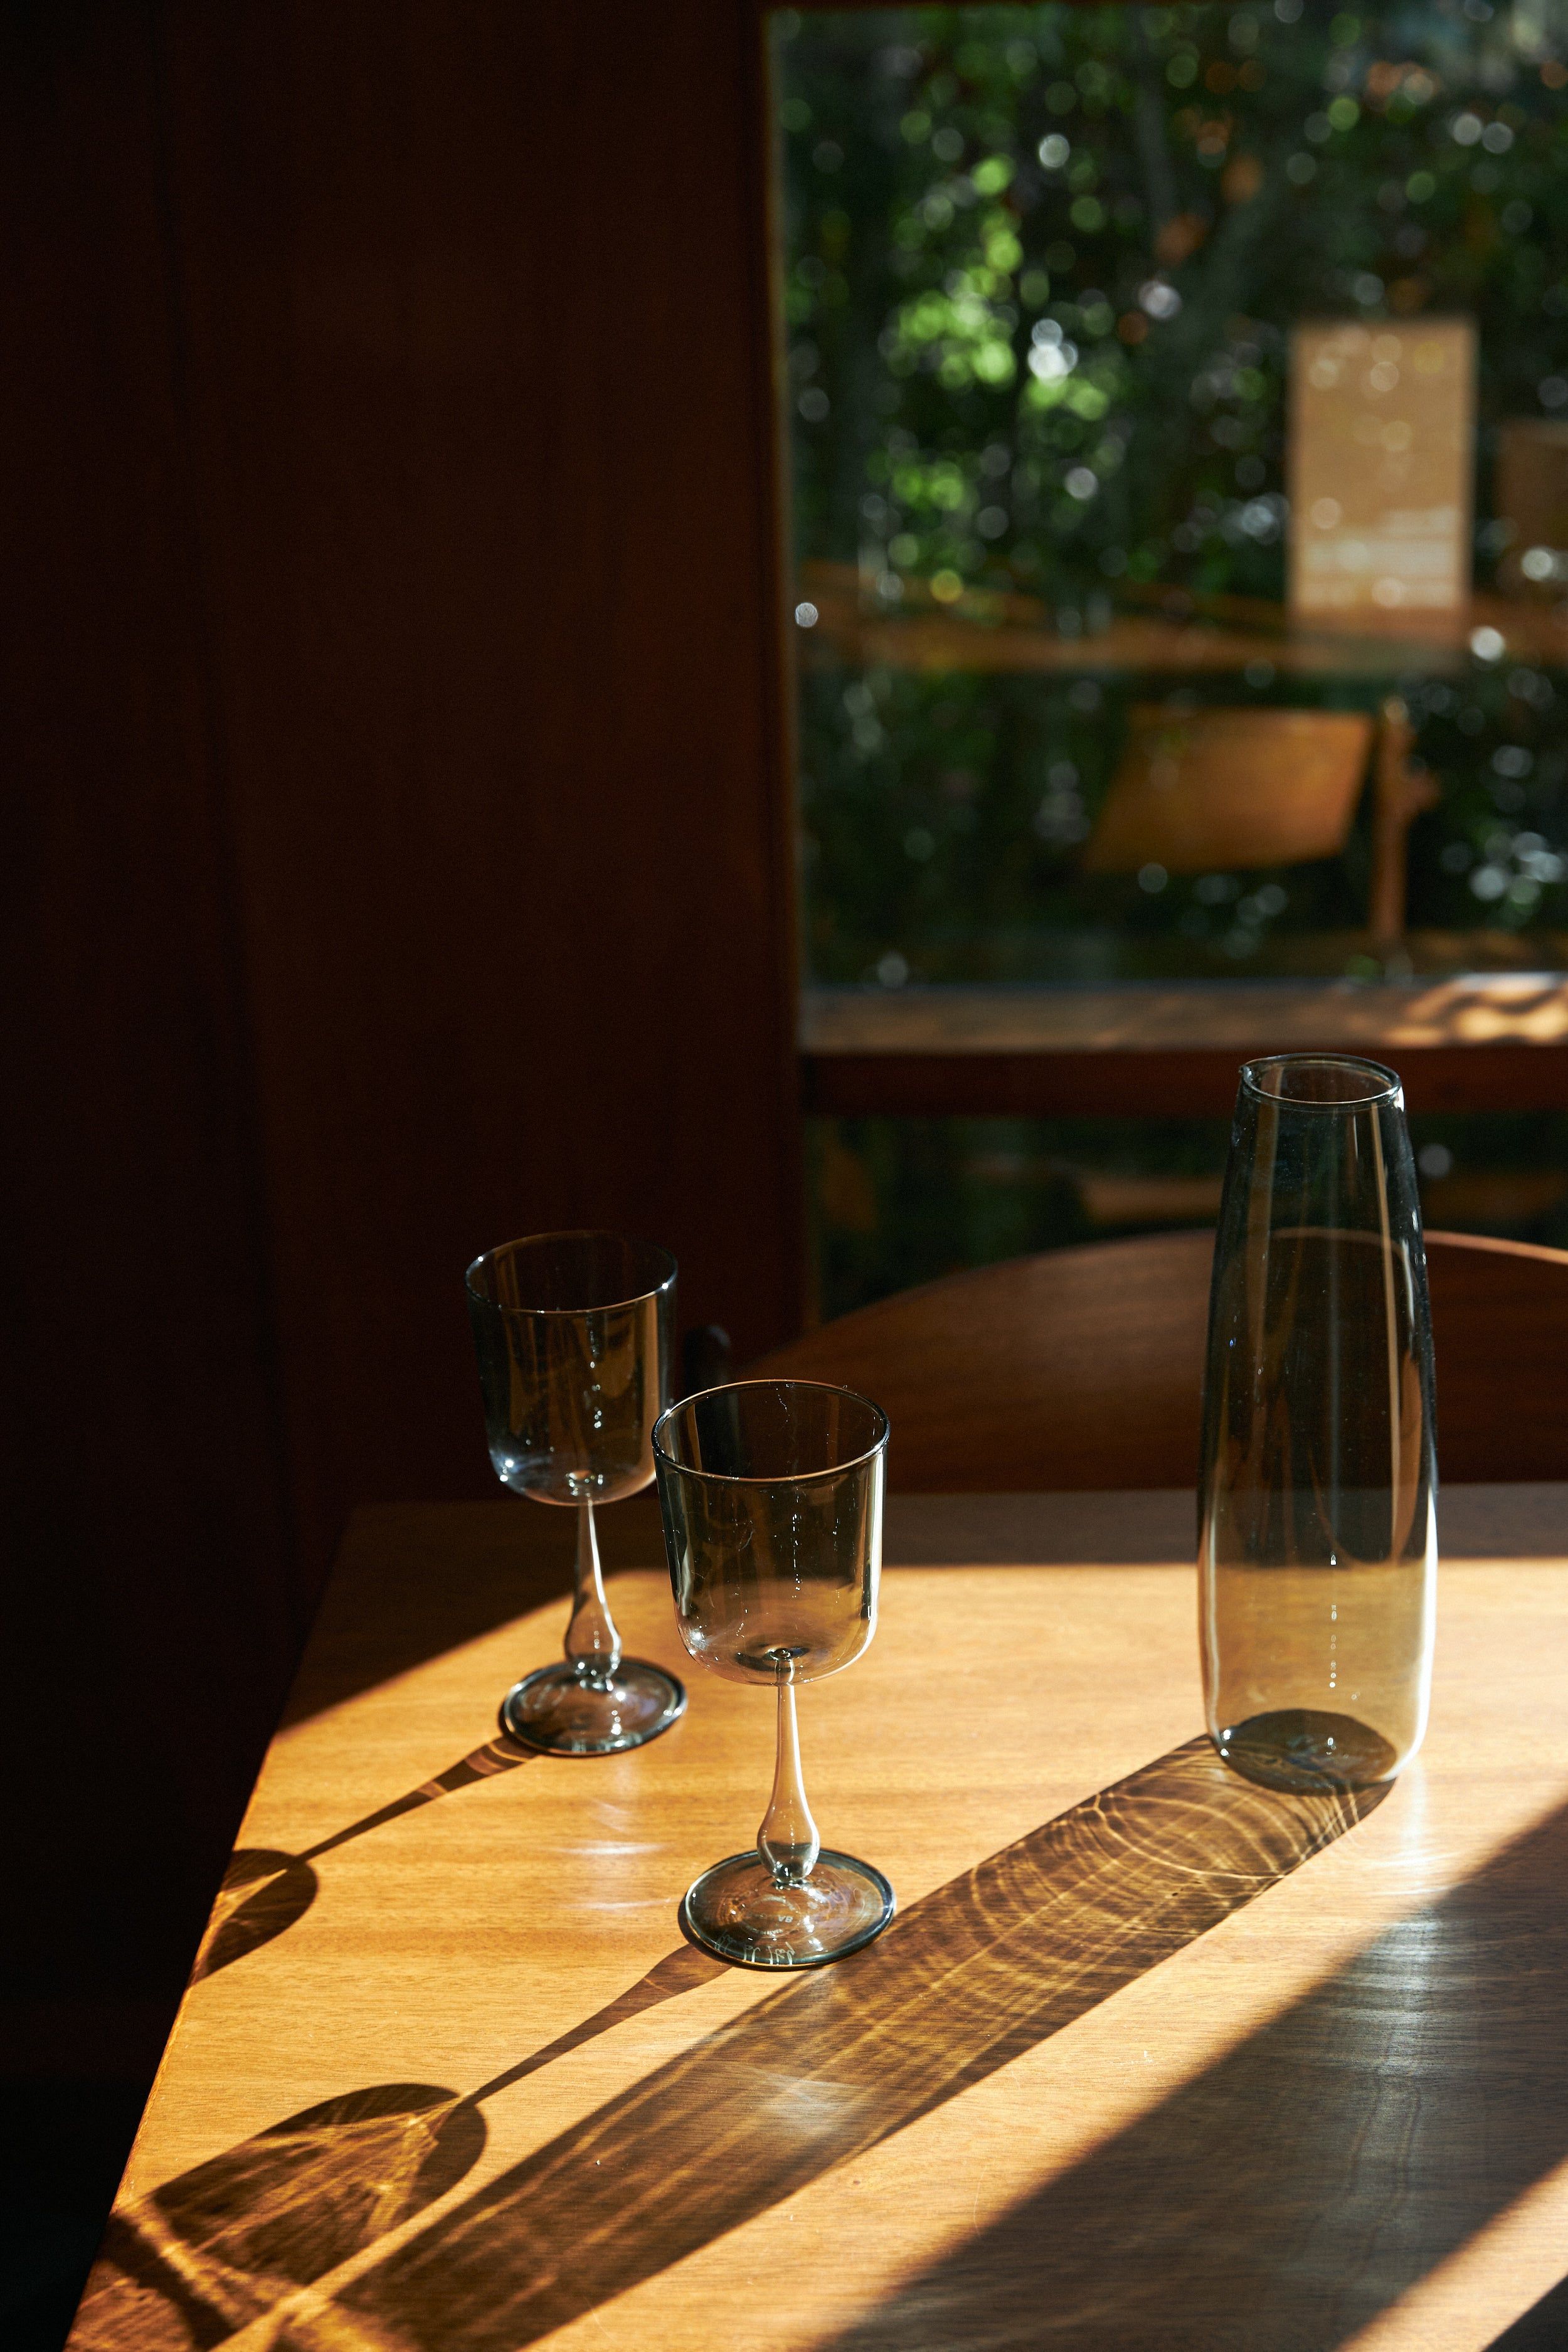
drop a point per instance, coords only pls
(1083, 1368)
(1222, 789)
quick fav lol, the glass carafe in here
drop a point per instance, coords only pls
(1317, 1495)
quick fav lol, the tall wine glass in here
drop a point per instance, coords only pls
(1317, 1503)
(574, 1333)
(771, 1497)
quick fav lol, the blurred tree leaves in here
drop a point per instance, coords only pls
(1041, 268)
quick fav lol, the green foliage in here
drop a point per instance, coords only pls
(1042, 266)
(1031, 243)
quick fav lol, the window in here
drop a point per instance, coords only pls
(1179, 436)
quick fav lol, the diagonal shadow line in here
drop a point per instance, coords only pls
(1313, 2174)
(265, 1893)
(680, 1971)
(964, 1981)
(1542, 2328)
(221, 2244)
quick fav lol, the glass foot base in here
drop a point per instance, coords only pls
(739, 1911)
(1302, 1749)
(562, 1713)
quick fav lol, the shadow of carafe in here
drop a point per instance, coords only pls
(1305, 2180)
(264, 1891)
(965, 1980)
(220, 2246)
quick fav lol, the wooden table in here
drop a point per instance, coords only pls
(1148, 2057)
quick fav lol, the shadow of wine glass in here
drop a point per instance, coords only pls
(221, 2245)
(969, 1977)
(217, 2248)
(265, 1893)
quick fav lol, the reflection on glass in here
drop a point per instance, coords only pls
(1317, 1492)
(573, 1333)
(772, 1495)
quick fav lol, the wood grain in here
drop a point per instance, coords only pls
(1148, 2051)
(1083, 1368)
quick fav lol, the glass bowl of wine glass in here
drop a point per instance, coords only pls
(772, 1495)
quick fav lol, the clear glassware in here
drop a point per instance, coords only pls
(772, 1495)
(574, 1333)
(1317, 1498)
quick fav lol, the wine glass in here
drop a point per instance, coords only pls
(771, 1497)
(1317, 1489)
(573, 1333)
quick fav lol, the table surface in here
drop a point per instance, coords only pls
(1148, 2057)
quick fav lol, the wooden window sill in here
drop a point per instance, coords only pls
(1489, 1041)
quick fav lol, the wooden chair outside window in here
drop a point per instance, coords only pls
(1212, 791)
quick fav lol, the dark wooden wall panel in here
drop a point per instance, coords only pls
(493, 572)
(151, 1580)
(398, 806)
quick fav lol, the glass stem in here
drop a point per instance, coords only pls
(788, 1840)
(593, 1644)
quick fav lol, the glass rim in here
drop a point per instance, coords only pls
(572, 1234)
(1386, 1088)
(785, 1478)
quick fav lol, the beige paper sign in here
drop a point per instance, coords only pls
(1381, 466)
